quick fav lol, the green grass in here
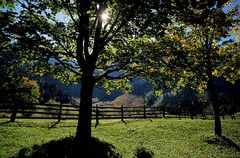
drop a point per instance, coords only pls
(164, 137)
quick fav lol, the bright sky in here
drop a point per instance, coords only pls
(236, 2)
(63, 18)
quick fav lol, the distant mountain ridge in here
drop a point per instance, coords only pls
(140, 88)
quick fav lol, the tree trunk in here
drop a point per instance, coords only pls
(83, 133)
(218, 126)
(212, 91)
(214, 100)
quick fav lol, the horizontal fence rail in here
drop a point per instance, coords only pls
(68, 111)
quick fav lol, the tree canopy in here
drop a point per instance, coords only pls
(198, 35)
(53, 34)
(91, 42)
(198, 48)
(20, 90)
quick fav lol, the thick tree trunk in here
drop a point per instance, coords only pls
(218, 126)
(212, 91)
(85, 111)
(214, 100)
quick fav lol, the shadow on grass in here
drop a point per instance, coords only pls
(53, 125)
(222, 141)
(124, 122)
(143, 153)
(3, 123)
(69, 148)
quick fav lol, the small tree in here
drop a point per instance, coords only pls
(20, 92)
(199, 49)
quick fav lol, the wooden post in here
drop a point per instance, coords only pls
(163, 110)
(179, 112)
(203, 115)
(60, 113)
(144, 110)
(122, 113)
(97, 119)
(14, 113)
(156, 111)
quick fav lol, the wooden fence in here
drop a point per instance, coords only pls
(67, 111)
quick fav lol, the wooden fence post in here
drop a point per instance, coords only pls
(97, 119)
(14, 112)
(144, 110)
(179, 112)
(203, 115)
(233, 117)
(122, 113)
(60, 113)
(164, 111)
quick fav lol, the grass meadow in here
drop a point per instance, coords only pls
(160, 137)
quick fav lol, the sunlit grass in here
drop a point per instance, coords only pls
(164, 137)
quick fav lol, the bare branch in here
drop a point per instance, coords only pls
(124, 75)
(67, 66)
(105, 74)
(70, 13)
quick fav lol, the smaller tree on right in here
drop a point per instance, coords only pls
(201, 46)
